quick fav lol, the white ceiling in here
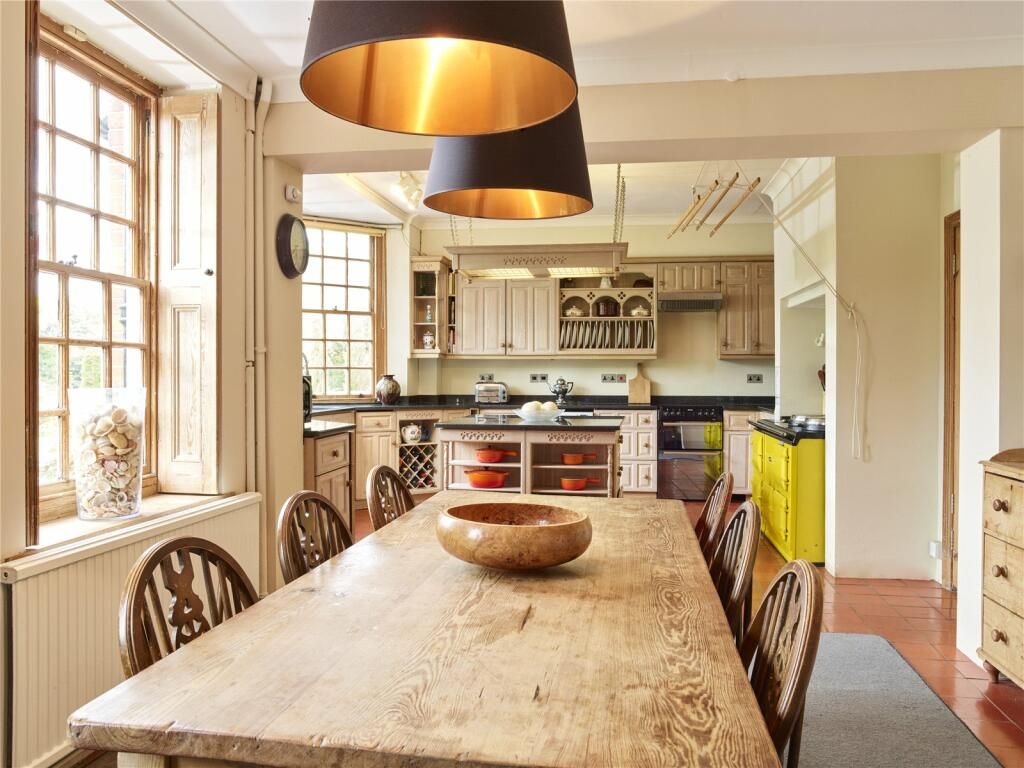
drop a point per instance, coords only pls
(641, 41)
(109, 29)
(656, 193)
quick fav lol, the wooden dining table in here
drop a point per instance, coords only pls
(396, 654)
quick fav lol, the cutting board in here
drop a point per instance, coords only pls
(639, 388)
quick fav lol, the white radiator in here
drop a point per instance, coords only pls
(64, 606)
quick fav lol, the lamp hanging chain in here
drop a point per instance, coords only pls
(454, 230)
(620, 204)
(471, 230)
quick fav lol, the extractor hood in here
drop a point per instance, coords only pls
(521, 262)
(689, 302)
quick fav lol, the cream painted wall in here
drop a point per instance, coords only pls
(646, 241)
(283, 396)
(798, 358)
(991, 343)
(887, 265)
(806, 205)
(397, 249)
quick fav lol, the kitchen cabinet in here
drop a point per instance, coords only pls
(788, 485)
(532, 324)
(746, 320)
(480, 317)
(506, 317)
(372, 448)
(698, 277)
(429, 311)
(737, 449)
(327, 470)
(638, 449)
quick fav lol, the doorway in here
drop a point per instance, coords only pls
(951, 399)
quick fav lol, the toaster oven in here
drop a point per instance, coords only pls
(490, 392)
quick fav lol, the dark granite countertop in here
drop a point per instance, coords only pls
(580, 423)
(608, 402)
(317, 428)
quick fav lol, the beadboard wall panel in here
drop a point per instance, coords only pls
(64, 625)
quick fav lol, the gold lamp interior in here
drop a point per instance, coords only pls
(440, 86)
(504, 203)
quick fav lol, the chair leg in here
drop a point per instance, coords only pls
(793, 752)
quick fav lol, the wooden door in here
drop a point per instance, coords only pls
(480, 321)
(532, 317)
(336, 486)
(737, 460)
(763, 296)
(951, 402)
(734, 322)
(696, 277)
(371, 449)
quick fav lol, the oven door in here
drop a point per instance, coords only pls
(688, 475)
(690, 436)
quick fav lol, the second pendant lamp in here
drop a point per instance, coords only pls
(534, 173)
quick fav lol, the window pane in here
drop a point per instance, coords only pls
(359, 273)
(126, 313)
(313, 273)
(334, 243)
(361, 381)
(311, 297)
(362, 327)
(312, 325)
(126, 367)
(334, 271)
(337, 353)
(43, 162)
(316, 240)
(116, 248)
(43, 88)
(49, 377)
(74, 173)
(337, 326)
(358, 299)
(362, 354)
(115, 187)
(49, 449)
(358, 246)
(334, 297)
(74, 104)
(314, 352)
(317, 375)
(85, 367)
(48, 286)
(337, 381)
(85, 309)
(43, 230)
(74, 237)
(115, 123)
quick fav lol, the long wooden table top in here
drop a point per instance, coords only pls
(395, 653)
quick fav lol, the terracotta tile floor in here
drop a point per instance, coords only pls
(919, 618)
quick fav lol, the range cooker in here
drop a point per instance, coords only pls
(689, 450)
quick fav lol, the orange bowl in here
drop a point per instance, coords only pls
(486, 478)
(577, 458)
(577, 483)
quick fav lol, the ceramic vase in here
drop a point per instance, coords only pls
(388, 389)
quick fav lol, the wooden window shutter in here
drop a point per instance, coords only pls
(187, 274)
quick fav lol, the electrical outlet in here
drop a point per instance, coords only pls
(536, 377)
(755, 378)
(486, 377)
(935, 550)
(613, 378)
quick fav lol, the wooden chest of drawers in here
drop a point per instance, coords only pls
(1002, 635)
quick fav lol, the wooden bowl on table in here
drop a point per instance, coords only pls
(513, 536)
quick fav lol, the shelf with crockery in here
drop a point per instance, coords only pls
(613, 320)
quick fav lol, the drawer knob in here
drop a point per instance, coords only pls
(1000, 505)
(335, 453)
(999, 571)
(998, 636)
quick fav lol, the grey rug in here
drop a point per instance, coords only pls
(868, 708)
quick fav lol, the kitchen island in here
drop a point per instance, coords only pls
(530, 456)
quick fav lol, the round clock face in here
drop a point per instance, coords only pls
(292, 246)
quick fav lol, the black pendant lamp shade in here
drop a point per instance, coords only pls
(459, 68)
(536, 173)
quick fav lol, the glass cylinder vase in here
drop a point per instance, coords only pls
(107, 439)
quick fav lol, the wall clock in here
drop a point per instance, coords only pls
(292, 246)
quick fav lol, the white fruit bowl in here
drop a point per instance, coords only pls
(538, 415)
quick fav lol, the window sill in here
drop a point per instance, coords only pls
(68, 539)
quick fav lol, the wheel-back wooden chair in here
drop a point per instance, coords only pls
(387, 496)
(712, 516)
(732, 567)
(177, 590)
(779, 651)
(310, 531)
